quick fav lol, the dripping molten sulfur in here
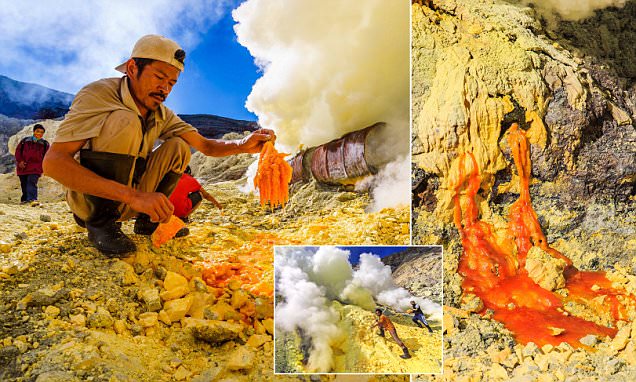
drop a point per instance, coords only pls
(493, 267)
(272, 177)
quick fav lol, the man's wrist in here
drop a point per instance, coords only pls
(128, 195)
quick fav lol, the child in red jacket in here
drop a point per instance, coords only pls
(29, 156)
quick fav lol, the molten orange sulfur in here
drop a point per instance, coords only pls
(273, 177)
(166, 231)
(493, 268)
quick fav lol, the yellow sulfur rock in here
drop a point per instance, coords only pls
(174, 293)
(241, 359)
(148, 319)
(256, 340)
(177, 309)
(269, 325)
(174, 280)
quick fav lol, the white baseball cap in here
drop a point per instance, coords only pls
(157, 48)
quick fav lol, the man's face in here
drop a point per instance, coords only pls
(378, 313)
(38, 133)
(151, 87)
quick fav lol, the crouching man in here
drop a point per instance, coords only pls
(112, 127)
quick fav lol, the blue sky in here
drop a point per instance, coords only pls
(380, 251)
(218, 77)
(67, 45)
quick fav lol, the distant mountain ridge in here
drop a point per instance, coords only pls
(214, 126)
(24, 100)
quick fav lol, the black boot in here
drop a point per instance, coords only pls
(110, 240)
(406, 354)
(103, 229)
(429, 329)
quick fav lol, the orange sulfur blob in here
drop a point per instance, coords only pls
(493, 267)
(252, 265)
(166, 231)
(273, 177)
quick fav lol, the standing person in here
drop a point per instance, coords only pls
(113, 124)
(29, 155)
(384, 323)
(418, 316)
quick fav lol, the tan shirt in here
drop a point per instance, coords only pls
(105, 114)
(97, 101)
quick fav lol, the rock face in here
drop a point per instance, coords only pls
(419, 270)
(479, 66)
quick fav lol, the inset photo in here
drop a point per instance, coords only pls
(358, 309)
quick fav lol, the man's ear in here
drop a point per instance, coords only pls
(131, 68)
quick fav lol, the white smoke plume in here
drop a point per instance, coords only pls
(329, 67)
(573, 10)
(305, 306)
(375, 276)
(309, 278)
(391, 186)
(80, 41)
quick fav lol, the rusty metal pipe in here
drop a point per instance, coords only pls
(344, 160)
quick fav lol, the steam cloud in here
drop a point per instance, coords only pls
(81, 41)
(309, 278)
(391, 186)
(573, 10)
(329, 67)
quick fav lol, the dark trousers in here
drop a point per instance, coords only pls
(417, 318)
(29, 185)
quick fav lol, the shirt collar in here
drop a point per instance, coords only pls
(129, 102)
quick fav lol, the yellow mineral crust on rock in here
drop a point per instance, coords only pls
(470, 67)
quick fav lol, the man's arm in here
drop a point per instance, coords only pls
(59, 164)
(251, 144)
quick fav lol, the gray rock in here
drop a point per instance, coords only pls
(21, 235)
(589, 340)
(216, 332)
(45, 218)
(100, 319)
(56, 376)
(530, 349)
(152, 300)
(47, 296)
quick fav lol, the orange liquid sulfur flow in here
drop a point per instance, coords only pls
(273, 177)
(493, 267)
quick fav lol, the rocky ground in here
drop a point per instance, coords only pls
(364, 351)
(68, 313)
(477, 66)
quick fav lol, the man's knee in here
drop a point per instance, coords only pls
(177, 149)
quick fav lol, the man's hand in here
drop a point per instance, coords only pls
(253, 143)
(154, 204)
(22, 164)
